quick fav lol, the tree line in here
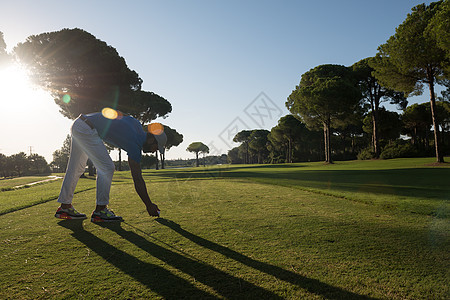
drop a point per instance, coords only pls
(21, 164)
(344, 102)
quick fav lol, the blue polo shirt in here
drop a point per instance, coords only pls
(124, 132)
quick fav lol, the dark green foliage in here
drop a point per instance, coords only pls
(366, 153)
(147, 106)
(413, 57)
(397, 150)
(389, 126)
(21, 164)
(325, 94)
(244, 138)
(173, 137)
(61, 156)
(198, 147)
(258, 144)
(74, 62)
(373, 95)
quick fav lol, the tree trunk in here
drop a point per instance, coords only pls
(196, 159)
(163, 161)
(120, 159)
(157, 160)
(91, 168)
(376, 148)
(247, 157)
(437, 142)
(326, 129)
(290, 151)
(325, 141)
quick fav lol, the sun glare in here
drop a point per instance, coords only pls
(14, 84)
(17, 92)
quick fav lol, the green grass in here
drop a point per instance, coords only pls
(351, 230)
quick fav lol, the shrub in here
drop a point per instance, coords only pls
(366, 154)
(398, 150)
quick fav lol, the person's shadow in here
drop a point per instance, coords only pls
(159, 279)
(313, 286)
(224, 284)
(154, 277)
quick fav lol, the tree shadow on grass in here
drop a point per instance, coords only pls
(313, 286)
(152, 276)
(226, 285)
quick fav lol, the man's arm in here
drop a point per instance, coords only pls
(141, 189)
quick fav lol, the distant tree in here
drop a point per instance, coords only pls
(325, 93)
(374, 93)
(287, 134)
(148, 161)
(244, 138)
(197, 147)
(20, 163)
(233, 156)
(417, 123)
(412, 57)
(389, 127)
(173, 139)
(3, 165)
(38, 164)
(258, 144)
(82, 73)
(61, 156)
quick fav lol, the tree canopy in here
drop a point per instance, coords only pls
(325, 93)
(147, 106)
(82, 73)
(413, 57)
(197, 147)
(374, 94)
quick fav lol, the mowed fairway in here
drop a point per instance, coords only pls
(351, 230)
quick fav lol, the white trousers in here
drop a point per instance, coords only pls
(87, 144)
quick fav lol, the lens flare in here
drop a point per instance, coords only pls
(110, 113)
(155, 128)
(66, 98)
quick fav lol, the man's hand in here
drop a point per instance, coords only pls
(153, 210)
(141, 189)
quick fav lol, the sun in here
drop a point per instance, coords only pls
(17, 92)
(13, 82)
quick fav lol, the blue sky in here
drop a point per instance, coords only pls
(224, 65)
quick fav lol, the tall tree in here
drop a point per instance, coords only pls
(173, 139)
(325, 93)
(374, 93)
(61, 156)
(416, 124)
(197, 147)
(439, 29)
(244, 138)
(390, 125)
(258, 144)
(20, 163)
(412, 57)
(288, 133)
(82, 73)
(38, 164)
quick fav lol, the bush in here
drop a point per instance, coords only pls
(366, 154)
(398, 150)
